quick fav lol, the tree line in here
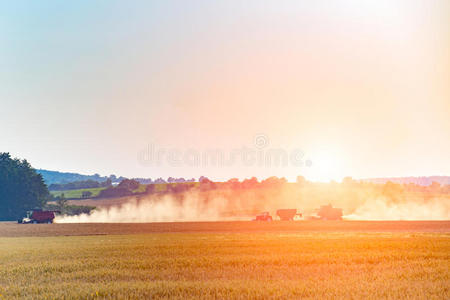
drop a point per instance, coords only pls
(76, 185)
(21, 188)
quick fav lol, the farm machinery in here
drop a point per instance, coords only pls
(264, 216)
(288, 214)
(328, 212)
(325, 212)
(36, 216)
(283, 214)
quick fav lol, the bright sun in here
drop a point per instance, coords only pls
(326, 166)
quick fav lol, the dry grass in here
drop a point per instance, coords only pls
(228, 265)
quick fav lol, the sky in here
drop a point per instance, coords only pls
(323, 89)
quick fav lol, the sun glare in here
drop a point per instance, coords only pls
(326, 166)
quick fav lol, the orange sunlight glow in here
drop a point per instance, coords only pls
(327, 165)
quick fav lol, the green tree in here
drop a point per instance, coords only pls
(21, 188)
(62, 203)
(129, 184)
(86, 194)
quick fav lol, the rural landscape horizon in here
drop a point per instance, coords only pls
(223, 149)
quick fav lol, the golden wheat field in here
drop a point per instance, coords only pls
(263, 261)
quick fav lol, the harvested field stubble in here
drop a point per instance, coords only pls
(10, 229)
(239, 265)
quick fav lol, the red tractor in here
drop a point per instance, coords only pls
(264, 216)
(39, 216)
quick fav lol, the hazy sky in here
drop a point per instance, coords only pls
(360, 87)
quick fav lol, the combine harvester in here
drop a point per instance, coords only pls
(327, 212)
(36, 216)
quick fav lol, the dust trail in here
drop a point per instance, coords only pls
(380, 209)
(358, 201)
(167, 209)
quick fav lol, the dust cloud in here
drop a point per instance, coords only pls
(358, 201)
(382, 210)
(156, 209)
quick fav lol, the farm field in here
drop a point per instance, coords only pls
(331, 260)
(77, 194)
(12, 229)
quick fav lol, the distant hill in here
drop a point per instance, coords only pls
(51, 177)
(424, 181)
